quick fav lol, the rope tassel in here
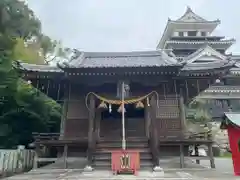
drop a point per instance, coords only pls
(139, 105)
(120, 109)
(102, 105)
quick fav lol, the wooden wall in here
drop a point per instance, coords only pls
(77, 116)
(168, 111)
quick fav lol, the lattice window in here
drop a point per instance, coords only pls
(168, 109)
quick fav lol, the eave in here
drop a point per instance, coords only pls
(220, 92)
(176, 25)
(230, 119)
(223, 44)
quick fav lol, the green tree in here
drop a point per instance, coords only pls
(18, 20)
(23, 109)
(28, 52)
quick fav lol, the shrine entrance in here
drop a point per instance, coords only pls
(111, 122)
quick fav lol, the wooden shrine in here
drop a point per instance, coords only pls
(231, 123)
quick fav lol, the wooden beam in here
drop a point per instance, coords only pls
(47, 159)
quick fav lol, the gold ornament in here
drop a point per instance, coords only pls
(139, 105)
(102, 105)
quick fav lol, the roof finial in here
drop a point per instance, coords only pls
(189, 9)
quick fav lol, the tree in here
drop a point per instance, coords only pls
(17, 20)
(51, 49)
(28, 52)
(23, 109)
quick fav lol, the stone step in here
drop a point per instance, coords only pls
(109, 150)
(133, 139)
(119, 145)
(107, 164)
(107, 156)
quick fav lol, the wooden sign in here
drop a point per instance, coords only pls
(125, 161)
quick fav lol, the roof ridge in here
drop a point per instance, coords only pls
(122, 54)
(188, 11)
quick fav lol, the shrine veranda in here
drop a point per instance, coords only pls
(188, 62)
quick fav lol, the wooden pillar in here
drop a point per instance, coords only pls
(65, 154)
(187, 92)
(210, 151)
(182, 113)
(155, 138)
(196, 153)
(66, 101)
(181, 155)
(97, 123)
(147, 116)
(91, 137)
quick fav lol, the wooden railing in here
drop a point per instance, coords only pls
(45, 136)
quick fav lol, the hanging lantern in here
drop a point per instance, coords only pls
(120, 109)
(139, 105)
(102, 105)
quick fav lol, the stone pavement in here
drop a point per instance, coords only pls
(70, 174)
(170, 166)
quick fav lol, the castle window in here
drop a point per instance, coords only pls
(203, 33)
(180, 34)
(192, 33)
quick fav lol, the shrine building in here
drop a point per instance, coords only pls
(188, 62)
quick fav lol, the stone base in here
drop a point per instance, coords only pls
(158, 171)
(88, 169)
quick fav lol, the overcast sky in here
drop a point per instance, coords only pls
(126, 25)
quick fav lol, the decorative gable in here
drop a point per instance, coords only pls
(190, 16)
(205, 55)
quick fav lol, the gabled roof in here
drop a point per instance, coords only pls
(206, 58)
(122, 59)
(190, 16)
(206, 54)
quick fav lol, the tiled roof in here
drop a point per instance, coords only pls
(221, 92)
(207, 66)
(38, 68)
(123, 59)
(189, 17)
(235, 71)
(226, 41)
